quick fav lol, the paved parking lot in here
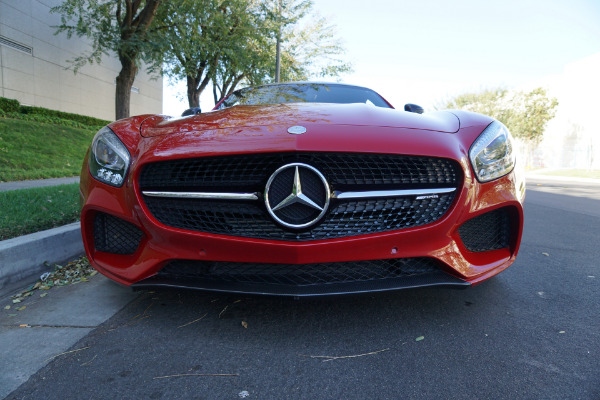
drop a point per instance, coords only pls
(531, 332)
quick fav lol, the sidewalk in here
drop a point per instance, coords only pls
(50, 325)
(6, 186)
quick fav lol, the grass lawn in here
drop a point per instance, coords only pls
(30, 210)
(34, 150)
(576, 173)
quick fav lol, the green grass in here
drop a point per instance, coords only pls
(30, 210)
(35, 150)
(574, 173)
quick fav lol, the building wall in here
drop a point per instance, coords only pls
(38, 72)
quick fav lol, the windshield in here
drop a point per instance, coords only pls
(304, 93)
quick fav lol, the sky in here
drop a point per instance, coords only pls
(427, 51)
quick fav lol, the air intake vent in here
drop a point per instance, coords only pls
(489, 231)
(113, 235)
(17, 46)
(300, 275)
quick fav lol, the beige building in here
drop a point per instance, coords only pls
(34, 66)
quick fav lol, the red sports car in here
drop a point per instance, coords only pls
(302, 189)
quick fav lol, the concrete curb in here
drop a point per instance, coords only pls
(24, 256)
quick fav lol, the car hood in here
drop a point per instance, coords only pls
(311, 116)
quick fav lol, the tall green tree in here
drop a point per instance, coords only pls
(124, 27)
(205, 36)
(233, 42)
(307, 44)
(526, 114)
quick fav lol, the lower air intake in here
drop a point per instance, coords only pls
(489, 231)
(302, 274)
(113, 235)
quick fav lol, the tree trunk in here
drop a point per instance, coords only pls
(195, 87)
(278, 46)
(193, 94)
(124, 83)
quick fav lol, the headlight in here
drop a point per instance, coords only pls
(109, 159)
(492, 155)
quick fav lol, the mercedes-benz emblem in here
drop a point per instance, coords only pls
(296, 130)
(297, 195)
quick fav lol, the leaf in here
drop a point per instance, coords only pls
(15, 301)
(546, 254)
(419, 338)
(21, 308)
(244, 324)
(7, 308)
(43, 294)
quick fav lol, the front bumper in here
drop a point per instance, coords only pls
(439, 242)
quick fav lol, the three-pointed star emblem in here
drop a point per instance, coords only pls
(303, 206)
(297, 196)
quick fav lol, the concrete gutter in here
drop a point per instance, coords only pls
(24, 256)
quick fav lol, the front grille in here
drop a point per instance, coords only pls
(249, 219)
(489, 231)
(113, 235)
(343, 171)
(299, 275)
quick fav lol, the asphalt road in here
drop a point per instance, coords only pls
(533, 332)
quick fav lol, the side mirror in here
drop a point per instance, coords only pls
(191, 111)
(413, 108)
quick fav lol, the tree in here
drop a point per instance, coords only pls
(526, 114)
(309, 46)
(205, 36)
(232, 42)
(125, 27)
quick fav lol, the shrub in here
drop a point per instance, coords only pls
(83, 119)
(9, 105)
(13, 109)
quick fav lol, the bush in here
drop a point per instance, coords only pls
(9, 105)
(83, 119)
(13, 109)
(50, 120)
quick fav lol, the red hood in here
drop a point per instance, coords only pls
(329, 127)
(307, 115)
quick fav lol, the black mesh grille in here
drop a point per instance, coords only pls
(489, 231)
(302, 274)
(341, 169)
(348, 218)
(113, 235)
